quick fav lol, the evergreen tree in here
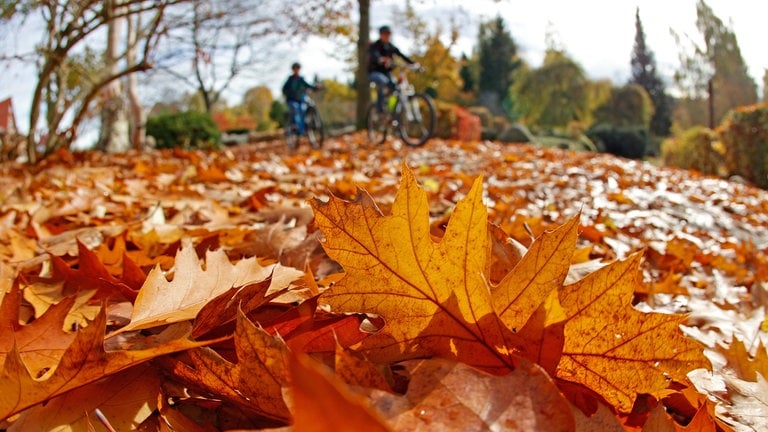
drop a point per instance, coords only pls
(497, 60)
(644, 74)
(467, 74)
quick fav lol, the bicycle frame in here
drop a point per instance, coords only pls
(304, 106)
(406, 113)
(312, 130)
(404, 90)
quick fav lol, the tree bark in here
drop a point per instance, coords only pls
(113, 136)
(137, 115)
(711, 103)
(361, 78)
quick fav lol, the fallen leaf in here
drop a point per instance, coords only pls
(125, 399)
(741, 363)
(322, 402)
(221, 312)
(602, 420)
(7, 276)
(749, 402)
(41, 343)
(541, 270)
(434, 296)
(356, 370)
(702, 421)
(91, 274)
(616, 350)
(443, 395)
(83, 362)
(162, 302)
(253, 384)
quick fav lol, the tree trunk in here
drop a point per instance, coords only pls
(711, 103)
(138, 116)
(113, 136)
(363, 40)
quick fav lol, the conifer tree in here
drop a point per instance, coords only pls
(644, 73)
(497, 60)
(466, 74)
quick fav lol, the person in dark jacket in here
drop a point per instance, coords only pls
(380, 56)
(295, 90)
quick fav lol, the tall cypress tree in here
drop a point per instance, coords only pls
(466, 74)
(497, 60)
(644, 74)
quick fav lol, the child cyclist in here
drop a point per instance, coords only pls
(295, 90)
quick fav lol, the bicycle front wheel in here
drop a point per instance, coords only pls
(417, 120)
(377, 123)
(314, 125)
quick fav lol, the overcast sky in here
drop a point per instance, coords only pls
(598, 34)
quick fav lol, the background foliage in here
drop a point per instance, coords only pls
(187, 129)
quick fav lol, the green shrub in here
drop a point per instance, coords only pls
(744, 136)
(696, 148)
(278, 112)
(629, 142)
(189, 129)
(628, 106)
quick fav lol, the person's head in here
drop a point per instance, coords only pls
(296, 67)
(385, 33)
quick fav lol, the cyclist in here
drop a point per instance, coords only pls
(295, 90)
(380, 57)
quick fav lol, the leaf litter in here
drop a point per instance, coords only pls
(609, 253)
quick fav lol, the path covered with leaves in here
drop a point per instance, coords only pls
(468, 286)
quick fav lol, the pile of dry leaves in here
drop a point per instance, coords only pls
(472, 286)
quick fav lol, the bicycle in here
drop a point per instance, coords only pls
(410, 114)
(313, 126)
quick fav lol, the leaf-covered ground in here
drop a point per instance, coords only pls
(256, 287)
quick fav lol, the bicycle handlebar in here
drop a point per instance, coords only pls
(416, 67)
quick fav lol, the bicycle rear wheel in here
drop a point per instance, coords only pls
(314, 126)
(377, 123)
(291, 137)
(417, 122)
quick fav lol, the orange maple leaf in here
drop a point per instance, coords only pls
(436, 299)
(435, 296)
(616, 350)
